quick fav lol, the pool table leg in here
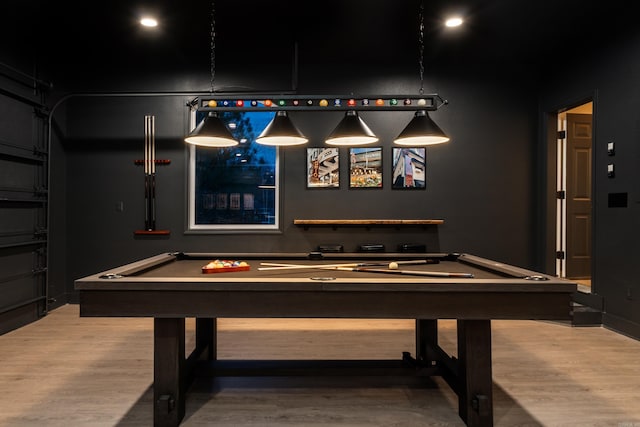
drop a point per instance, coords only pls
(168, 371)
(206, 338)
(475, 397)
(426, 340)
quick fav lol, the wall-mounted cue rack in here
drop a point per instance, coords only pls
(150, 179)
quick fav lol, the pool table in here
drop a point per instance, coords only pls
(426, 287)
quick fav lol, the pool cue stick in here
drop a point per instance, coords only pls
(278, 266)
(408, 272)
(152, 163)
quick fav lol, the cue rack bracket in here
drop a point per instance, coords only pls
(161, 162)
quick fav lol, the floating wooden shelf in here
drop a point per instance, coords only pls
(306, 223)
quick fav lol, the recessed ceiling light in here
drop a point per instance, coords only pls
(148, 22)
(455, 21)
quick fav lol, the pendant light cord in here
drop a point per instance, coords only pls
(213, 45)
(421, 45)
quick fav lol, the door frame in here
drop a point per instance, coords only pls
(553, 157)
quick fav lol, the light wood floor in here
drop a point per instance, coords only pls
(69, 371)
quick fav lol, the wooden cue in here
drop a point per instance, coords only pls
(152, 140)
(278, 266)
(408, 272)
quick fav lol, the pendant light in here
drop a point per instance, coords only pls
(281, 132)
(351, 130)
(421, 130)
(212, 132)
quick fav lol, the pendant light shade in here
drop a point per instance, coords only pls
(281, 132)
(211, 132)
(351, 130)
(421, 130)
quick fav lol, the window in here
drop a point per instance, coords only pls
(235, 188)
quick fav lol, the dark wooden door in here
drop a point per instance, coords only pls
(579, 196)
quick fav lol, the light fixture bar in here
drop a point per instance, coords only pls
(262, 102)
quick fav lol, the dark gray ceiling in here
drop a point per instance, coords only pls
(63, 33)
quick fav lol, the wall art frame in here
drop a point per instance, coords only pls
(365, 167)
(323, 167)
(408, 168)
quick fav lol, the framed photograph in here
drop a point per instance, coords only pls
(409, 168)
(323, 168)
(365, 167)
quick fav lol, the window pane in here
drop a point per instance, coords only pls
(235, 188)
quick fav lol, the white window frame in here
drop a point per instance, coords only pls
(193, 227)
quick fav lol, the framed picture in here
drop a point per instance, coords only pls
(409, 168)
(365, 167)
(323, 168)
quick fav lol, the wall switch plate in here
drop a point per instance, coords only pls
(617, 200)
(611, 150)
(610, 170)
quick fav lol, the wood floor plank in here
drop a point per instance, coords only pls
(68, 371)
